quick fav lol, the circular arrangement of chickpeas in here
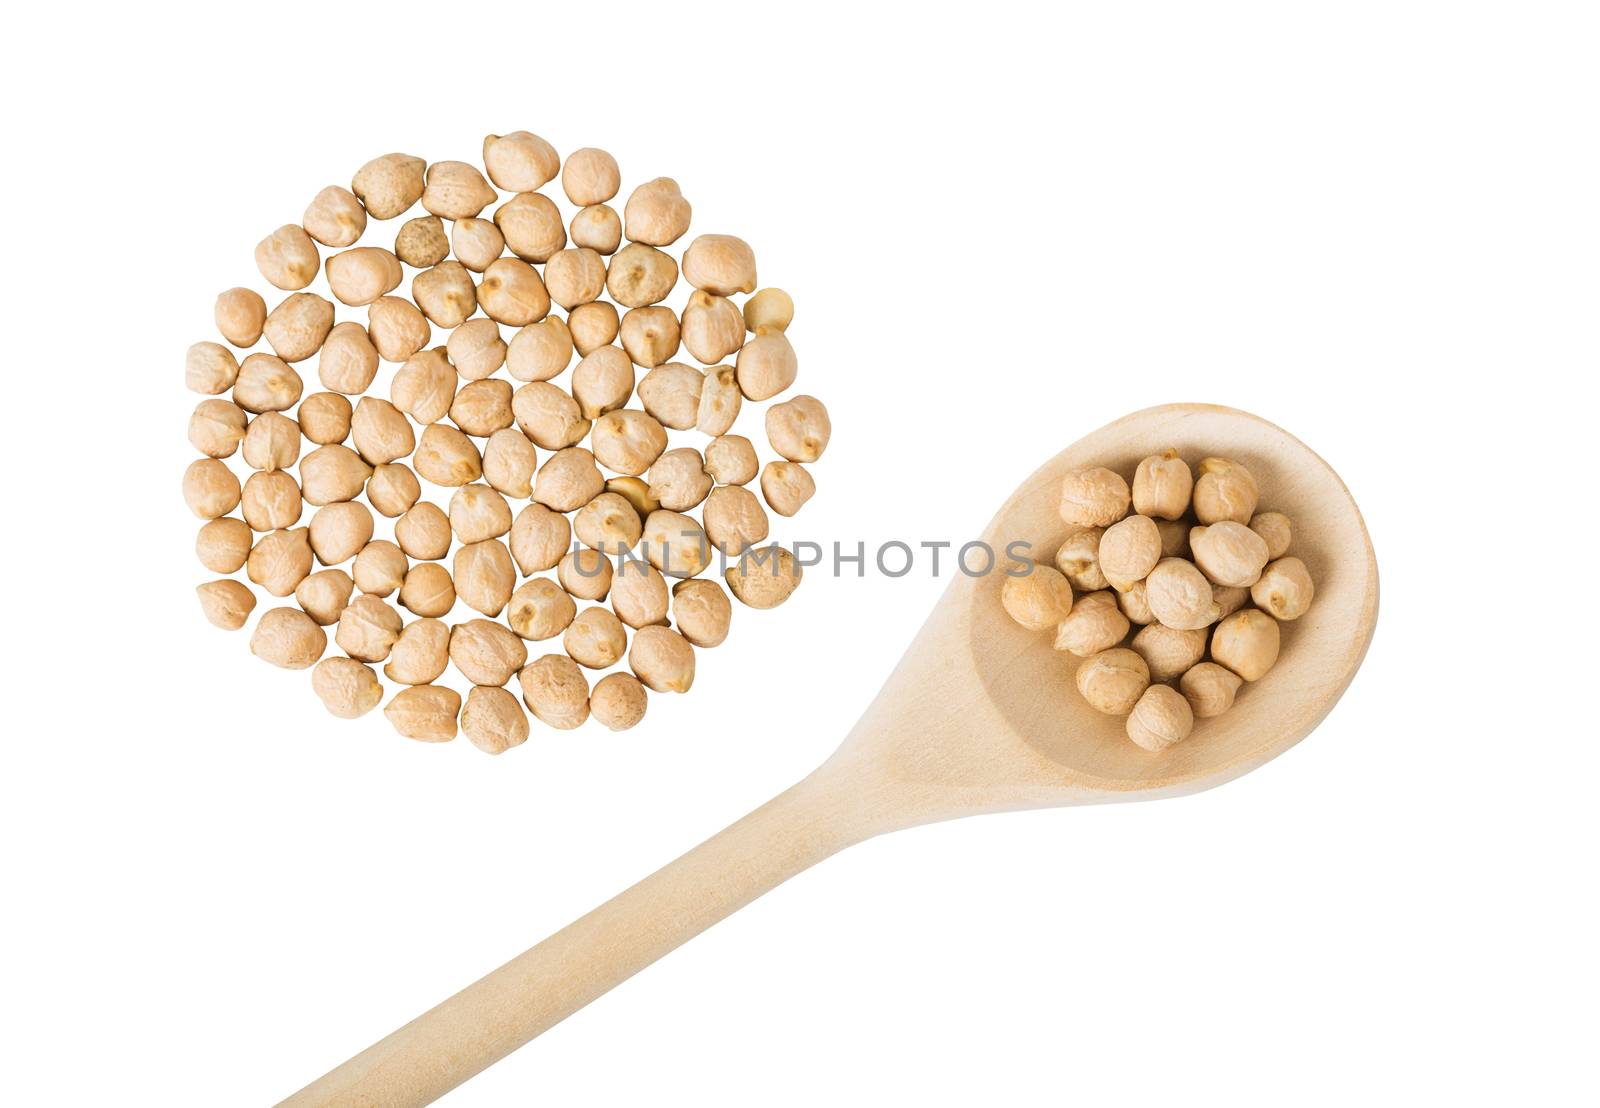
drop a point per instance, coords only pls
(563, 517)
(1155, 576)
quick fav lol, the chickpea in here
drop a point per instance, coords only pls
(390, 184)
(508, 463)
(422, 242)
(592, 326)
(210, 368)
(768, 310)
(446, 295)
(1094, 497)
(635, 492)
(1168, 653)
(734, 519)
(368, 629)
(324, 418)
(731, 460)
(639, 594)
(1224, 491)
(662, 659)
(339, 531)
(428, 591)
(540, 351)
(627, 441)
(359, 276)
(1113, 680)
(426, 713)
(421, 653)
(1229, 599)
(577, 276)
(227, 604)
(272, 441)
(656, 212)
(476, 349)
(512, 293)
(217, 427)
(787, 486)
(393, 489)
(288, 638)
(650, 335)
(447, 457)
(1161, 718)
(1174, 538)
(423, 532)
(520, 161)
(477, 243)
(548, 415)
(483, 407)
(210, 488)
(1209, 689)
(678, 479)
(484, 576)
(297, 328)
(380, 432)
(675, 544)
(671, 393)
(585, 574)
(618, 701)
(720, 401)
(1129, 550)
(222, 545)
(598, 228)
(1247, 643)
(590, 177)
(240, 315)
(639, 275)
(1079, 559)
(348, 361)
(532, 226)
(702, 612)
(1161, 486)
(1276, 529)
(799, 429)
(380, 568)
(596, 639)
(1229, 553)
(288, 259)
(1179, 595)
(555, 691)
(1095, 623)
(713, 329)
(538, 538)
(720, 264)
(1284, 590)
(324, 594)
(568, 480)
(332, 473)
(271, 501)
(456, 190)
(540, 609)
(764, 577)
(492, 720)
(766, 365)
(266, 384)
(346, 688)
(397, 328)
(486, 653)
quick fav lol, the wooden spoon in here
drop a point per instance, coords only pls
(979, 716)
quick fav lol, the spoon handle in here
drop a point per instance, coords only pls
(542, 986)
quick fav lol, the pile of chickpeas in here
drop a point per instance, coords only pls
(1184, 568)
(539, 531)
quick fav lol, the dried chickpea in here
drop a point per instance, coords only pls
(577, 276)
(226, 603)
(485, 576)
(555, 691)
(426, 713)
(332, 473)
(635, 492)
(731, 460)
(650, 335)
(240, 315)
(627, 441)
(508, 463)
(585, 574)
(671, 393)
(720, 264)
(324, 418)
(713, 329)
(447, 457)
(639, 594)
(1162, 485)
(428, 590)
(734, 519)
(210, 368)
(639, 275)
(421, 653)
(532, 226)
(1247, 643)
(548, 415)
(423, 532)
(787, 486)
(1179, 595)
(662, 659)
(1038, 599)
(539, 537)
(1094, 497)
(477, 243)
(380, 568)
(702, 612)
(390, 184)
(348, 361)
(656, 212)
(591, 176)
(608, 524)
(1284, 590)
(288, 638)
(799, 428)
(446, 295)
(492, 720)
(335, 217)
(380, 432)
(1161, 718)
(266, 384)
(346, 688)
(455, 190)
(568, 480)
(1209, 689)
(1169, 653)
(1225, 490)
(476, 349)
(288, 259)
(540, 351)
(598, 227)
(618, 701)
(766, 365)
(520, 161)
(1174, 538)
(1129, 550)
(359, 276)
(210, 488)
(596, 639)
(1229, 599)
(675, 544)
(222, 545)
(1078, 559)
(512, 293)
(481, 408)
(393, 489)
(324, 594)
(720, 401)
(1113, 680)
(368, 629)
(272, 441)
(297, 328)
(1095, 623)
(768, 310)
(1275, 528)
(485, 652)
(217, 427)
(764, 577)
(602, 381)
(678, 479)
(271, 501)
(397, 328)
(421, 242)
(339, 531)
(1229, 553)
(592, 326)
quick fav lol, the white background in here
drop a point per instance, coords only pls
(1376, 225)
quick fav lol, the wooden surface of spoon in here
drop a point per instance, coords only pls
(979, 716)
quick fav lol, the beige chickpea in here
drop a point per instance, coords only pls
(348, 361)
(520, 161)
(1276, 530)
(1094, 497)
(1038, 599)
(540, 609)
(1129, 550)
(639, 275)
(662, 659)
(297, 328)
(446, 295)
(608, 524)
(287, 637)
(1078, 558)
(1161, 718)
(720, 401)
(456, 190)
(390, 184)
(768, 310)
(332, 473)
(222, 545)
(1229, 599)
(702, 612)
(428, 590)
(712, 327)
(764, 577)
(720, 264)
(1174, 538)
(618, 701)
(421, 242)
(393, 489)
(508, 463)
(731, 460)
(226, 603)
(240, 315)
(540, 351)
(210, 368)
(555, 691)
(271, 501)
(799, 429)
(591, 176)
(656, 212)
(361, 275)
(532, 226)
(1209, 689)
(339, 531)
(492, 720)
(1162, 485)
(671, 394)
(627, 441)
(368, 629)
(324, 418)
(424, 386)
(593, 326)
(1179, 595)
(380, 432)
(578, 276)
(568, 480)
(421, 653)
(217, 427)
(486, 653)
(678, 479)
(476, 349)
(477, 243)
(734, 519)
(1095, 623)
(397, 328)
(1113, 680)
(650, 335)
(346, 688)
(1225, 490)
(598, 228)
(539, 537)
(635, 492)
(1284, 590)
(585, 574)
(1229, 553)
(288, 258)
(786, 486)
(1169, 653)
(639, 594)
(210, 488)
(447, 457)
(1247, 643)
(766, 365)
(423, 532)
(675, 544)
(485, 576)
(481, 408)
(272, 441)
(266, 383)
(324, 594)
(380, 568)
(512, 293)
(596, 639)
(426, 713)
